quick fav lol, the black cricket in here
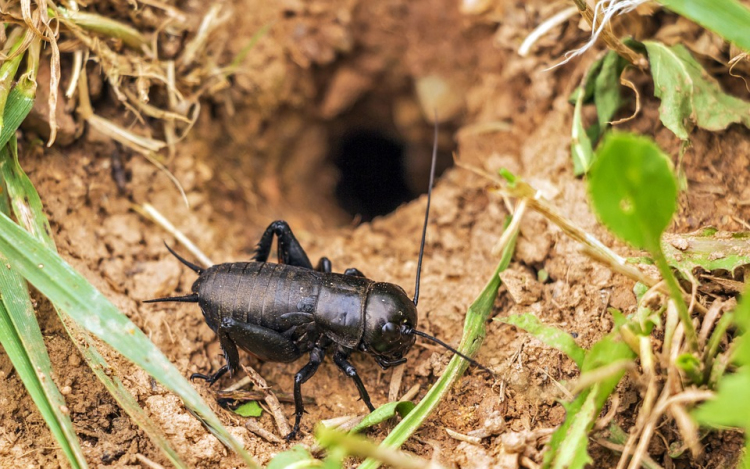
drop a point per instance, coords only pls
(278, 312)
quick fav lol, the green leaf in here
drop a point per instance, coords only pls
(27, 207)
(65, 287)
(475, 330)
(568, 445)
(689, 95)
(727, 18)
(731, 407)
(691, 366)
(633, 189)
(587, 86)
(383, 413)
(17, 107)
(297, 457)
(708, 249)
(549, 335)
(574, 453)
(249, 409)
(607, 89)
(580, 145)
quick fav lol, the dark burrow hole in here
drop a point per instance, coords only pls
(378, 171)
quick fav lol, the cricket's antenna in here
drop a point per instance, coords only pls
(427, 212)
(443, 344)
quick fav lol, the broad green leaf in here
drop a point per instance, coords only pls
(297, 457)
(383, 413)
(580, 145)
(728, 18)
(689, 95)
(249, 409)
(473, 335)
(27, 207)
(633, 189)
(70, 291)
(607, 88)
(549, 335)
(708, 249)
(731, 407)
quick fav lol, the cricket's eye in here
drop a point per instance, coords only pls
(391, 331)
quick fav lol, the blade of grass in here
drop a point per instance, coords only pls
(22, 340)
(59, 282)
(473, 336)
(27, 207)
(8, 71)
(728, 18)
(102, 25)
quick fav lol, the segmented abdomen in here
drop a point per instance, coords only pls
(256, 292)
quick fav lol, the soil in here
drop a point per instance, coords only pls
(261, 151)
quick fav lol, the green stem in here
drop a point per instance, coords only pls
(676, 293)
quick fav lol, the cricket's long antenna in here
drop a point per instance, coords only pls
(427, 212)
(443, 344)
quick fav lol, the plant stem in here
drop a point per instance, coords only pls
(676, 293)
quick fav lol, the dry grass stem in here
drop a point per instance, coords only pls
(253, 426)
(395, 386)
(411, 393)
(147, 462)
(708, 321)
(546, 26)
(148, 211)
(475, 440)
(511, 229)
(590, 378)
(273, 402)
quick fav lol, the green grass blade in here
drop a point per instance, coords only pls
(581, 148)
(22, 340)
(68, 289)
(549, 335)
(728, 18)
(103, 25)
(27, 207)
(16, 103)
(474, 333)
(383, 413)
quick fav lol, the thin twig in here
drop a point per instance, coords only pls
(271, 400)
(148, 211)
